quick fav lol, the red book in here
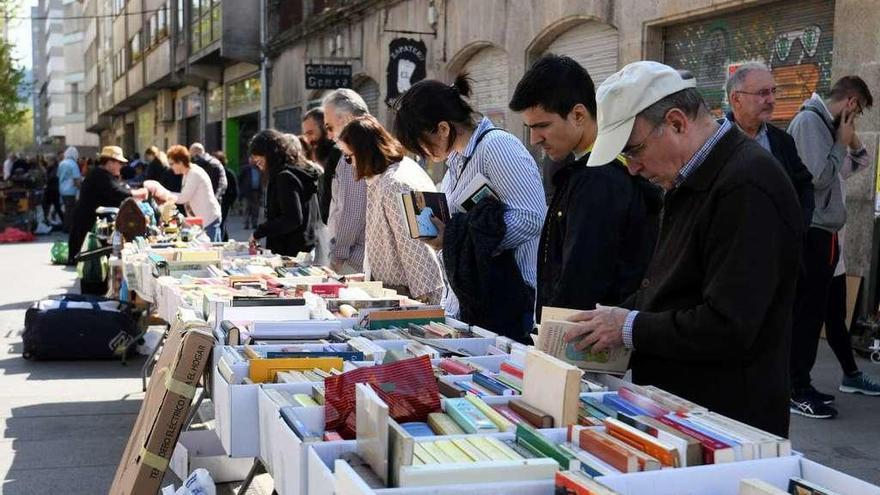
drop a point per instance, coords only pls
(454, 367)
(512, 370)
(713, 450)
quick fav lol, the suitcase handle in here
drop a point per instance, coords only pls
(63, 304)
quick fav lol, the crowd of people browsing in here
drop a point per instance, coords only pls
(708, 246)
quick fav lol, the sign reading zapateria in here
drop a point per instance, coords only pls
(328, 76)
(406, 66)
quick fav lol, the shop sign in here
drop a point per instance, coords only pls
(406, 66)
(328, 76)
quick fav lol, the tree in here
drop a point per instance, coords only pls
(11, 77)
(20, 136)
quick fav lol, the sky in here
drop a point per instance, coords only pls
(20, 34)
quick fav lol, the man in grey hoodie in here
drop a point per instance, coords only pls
(825, 134)
(69, 180)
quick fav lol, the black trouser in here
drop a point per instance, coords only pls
(820, 256)
(69, 203)
(224, 213)
(50, 200)
(835, 326)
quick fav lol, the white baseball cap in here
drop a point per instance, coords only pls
(622, 96)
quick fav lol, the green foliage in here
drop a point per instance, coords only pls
(11, 77)
(20, 136)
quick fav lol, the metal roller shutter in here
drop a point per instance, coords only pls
(490, 73)
(369, 91)
(591, 44)
(794, 38)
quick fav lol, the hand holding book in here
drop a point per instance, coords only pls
(599, 329)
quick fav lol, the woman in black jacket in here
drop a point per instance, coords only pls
(289, 228)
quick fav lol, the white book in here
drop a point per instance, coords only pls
(478, 189)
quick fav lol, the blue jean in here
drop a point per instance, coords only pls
(212, 230)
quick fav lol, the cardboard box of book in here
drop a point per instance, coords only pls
(165, 407)
(786, 475)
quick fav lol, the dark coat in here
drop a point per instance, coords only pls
(716, 302)
(290, 223)
(158, 171)
(490, 289)
(598, 236)
(330, 161)
(215, 170)
(784, 149)
(99, 188)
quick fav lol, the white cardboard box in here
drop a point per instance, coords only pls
(723, 479)
(326, 476)
(202, 449)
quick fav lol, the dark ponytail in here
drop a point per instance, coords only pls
(462, 84)
(425, 105)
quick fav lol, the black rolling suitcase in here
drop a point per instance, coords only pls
(78, 327)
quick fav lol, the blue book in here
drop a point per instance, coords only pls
(418, 429)
(345, 355)
(299, 428)
(492, 384)
(626, 407)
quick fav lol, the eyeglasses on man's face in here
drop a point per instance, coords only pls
(762, 93)
(632, 152)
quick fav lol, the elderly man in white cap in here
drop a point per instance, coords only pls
(712, 320)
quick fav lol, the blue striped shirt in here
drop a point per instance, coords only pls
(514, 175)
(686, 171)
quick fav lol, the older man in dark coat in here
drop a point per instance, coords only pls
(712, 320)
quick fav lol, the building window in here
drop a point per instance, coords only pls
(119, 6)
(156, 28)
(134, 47)
(74, 97)
(206, 23)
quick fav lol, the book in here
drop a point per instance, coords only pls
(418, 429)
(714, 450)
(663, 452)
(771, 445)
(553, 386)
(477, 190)
(799, 486)
(419, 207)
(470, 450)
(752, 486)
(608, 450)
(491, 450)
(442, 424)
(529, 436)
(689, 448)
(550, 340)
(742, 451)
(575, 483)
(453, 451)
(622, 406)
(533, 415)
(647, 404)
(511, 416)
(590, 465)
(502, 423)
(492, 384)
(468, 417)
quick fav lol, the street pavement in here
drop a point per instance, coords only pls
(65, 424)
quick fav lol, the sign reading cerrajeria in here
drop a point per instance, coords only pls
(328, 76)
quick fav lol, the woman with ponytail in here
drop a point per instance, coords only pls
(435, 120)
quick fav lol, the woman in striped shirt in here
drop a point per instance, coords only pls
(436, 121)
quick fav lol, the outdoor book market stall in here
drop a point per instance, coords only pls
(334, 384)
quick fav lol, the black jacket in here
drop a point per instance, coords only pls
(598, 236)
(158, 171)
(716, 302)
(215, 170)
(329, 160)
(99, 188)
(490, 289)
(289, 227)
(783, 147)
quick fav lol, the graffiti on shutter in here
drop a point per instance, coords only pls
(795, 39)
(488, 69)
(591, 44)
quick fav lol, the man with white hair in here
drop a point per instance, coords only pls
(216, 171)
(712, 320)
(348, 204)
(751, 93)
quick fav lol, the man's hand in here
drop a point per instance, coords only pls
(436, 243)
(847, 129)
(599, 329)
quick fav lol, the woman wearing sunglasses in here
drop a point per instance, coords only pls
(401, 262)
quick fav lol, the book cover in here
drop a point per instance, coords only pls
(419, 207)
(752, 486)
(550, 340)
(607, 450)
(800, 486)
(665, 453)
(477, 190)
(714, 451)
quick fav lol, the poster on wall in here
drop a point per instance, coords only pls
(328, 76)
(406, 66)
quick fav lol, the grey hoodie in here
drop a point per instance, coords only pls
(815, 139)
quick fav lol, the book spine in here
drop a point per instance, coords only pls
(710, 445)
(492, 384)
(512, 370)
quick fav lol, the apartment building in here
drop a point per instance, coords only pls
(172, 71)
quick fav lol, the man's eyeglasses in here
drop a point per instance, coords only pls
(347, 158)
(632, 152)
(764, 93)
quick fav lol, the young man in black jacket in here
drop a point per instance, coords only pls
(601, 225)
(751, 92)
